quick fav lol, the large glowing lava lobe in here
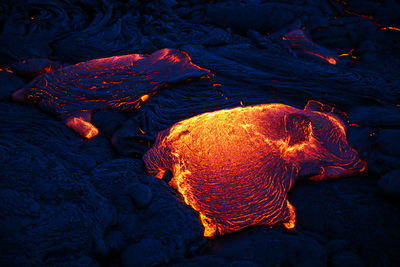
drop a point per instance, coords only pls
(236, 166)
(119, 82)
(301, 43)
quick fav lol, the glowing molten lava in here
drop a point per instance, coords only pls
(120, 82)
(301, 43)
(236, 166)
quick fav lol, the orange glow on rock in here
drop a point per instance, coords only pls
(350, 54)
(300, 42)
(390, 28)
(144, 98)
(82, 127)
(332, 61)
(7, 69)
(236, 166)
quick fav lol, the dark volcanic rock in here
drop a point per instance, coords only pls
(168, 219)
(45, 197)
(269, 248)
(104, 37)
(108, 121)
(261, 17)
(388, 142)
(46, 209)
(147, 208)
(350, 209)
(346, 258)
(110, 179)
(30, 125)
(390, 184)
(375, 116)
(147, 252)
(9, 83)
(33, 67)
(139, 193)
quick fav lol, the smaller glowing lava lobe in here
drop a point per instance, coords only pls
(120, 82)
(236, 166)
(300, 42)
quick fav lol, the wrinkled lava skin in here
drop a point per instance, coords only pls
(236, 166)
(120, 82)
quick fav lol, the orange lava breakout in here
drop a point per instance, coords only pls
(236, 166)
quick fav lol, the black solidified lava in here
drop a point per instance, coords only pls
(134, 78)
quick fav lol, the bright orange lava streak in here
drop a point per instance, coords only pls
(235, 166)
(302, 43)
(84, 128)
(390, 28)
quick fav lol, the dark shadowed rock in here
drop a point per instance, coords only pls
(269, 248)
(110, 179)
(26, 123)
(216, 261)
(346, 259)
(147, 252)
(389, 184)
(375, 116)
(33, 67)
(104, 38)
(115, 241)
(388, 142)
(379, 163)
(130, 139)
(265, 18)
(139, 193)
(43, 203)
(80, 262)
(351, 210)
(9, 83)
(168, 219)
(108, 121)
(146, 206)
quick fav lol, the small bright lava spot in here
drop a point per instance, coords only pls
(82, 127)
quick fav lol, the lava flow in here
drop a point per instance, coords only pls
(236, 166)
(300, 42)
(120, 82)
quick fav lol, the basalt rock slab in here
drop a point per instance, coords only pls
(169, 220)
(46, 209)
(28, 124)
(378, 116)
(9, 84)
(146, 208)
(350, 209)
(266, 247)
(389, 184)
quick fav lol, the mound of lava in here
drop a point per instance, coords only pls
(236, 166)
(121, 82)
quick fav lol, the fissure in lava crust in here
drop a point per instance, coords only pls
(236, 166)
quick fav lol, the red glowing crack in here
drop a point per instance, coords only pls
(301, 43)
(121, 82)
(236, 166)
